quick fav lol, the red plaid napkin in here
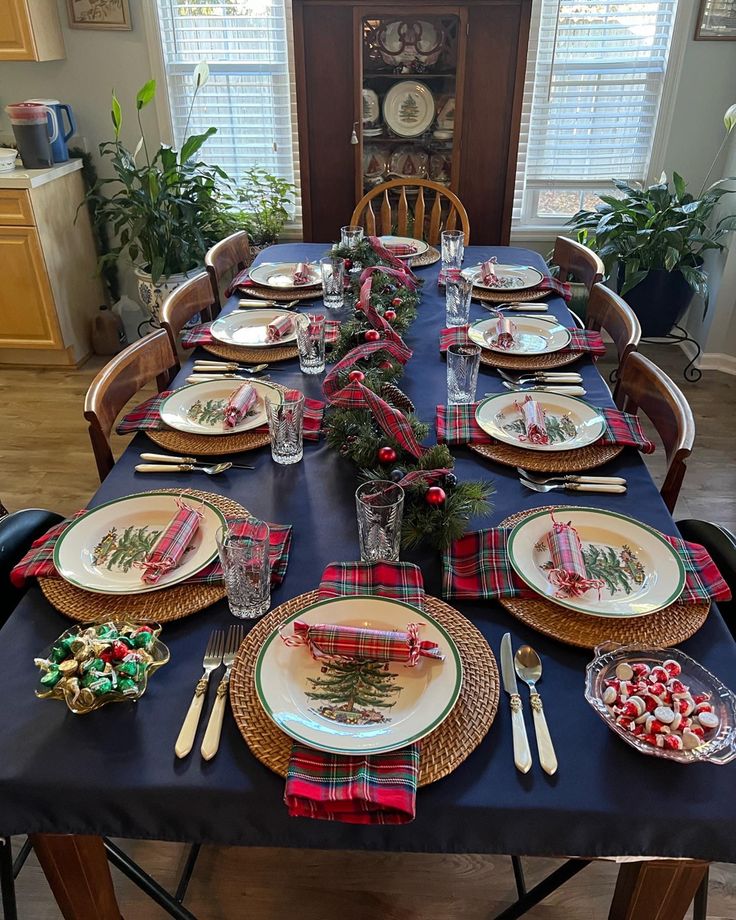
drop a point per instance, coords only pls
(374, 789)
(546, 284)
(580, 340)
(477, 566)
(202, 335)
(457, 425)
(38, 562)
(148, 416)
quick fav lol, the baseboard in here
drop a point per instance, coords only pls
(711, 360)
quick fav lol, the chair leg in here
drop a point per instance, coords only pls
(7, 880)
(519, 875)
(700, 901)
(545, 888)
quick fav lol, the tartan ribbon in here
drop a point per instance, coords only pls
(457, 425)
(389, 258)
(477, 566)
(147, 416)
(38, 562)
(580, 340)
(369, 789)
(548, 283)
(202, 334)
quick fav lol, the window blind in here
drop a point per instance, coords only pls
(593, 86)
(250, 96)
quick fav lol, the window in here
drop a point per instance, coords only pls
(250, 97)
(592, 93)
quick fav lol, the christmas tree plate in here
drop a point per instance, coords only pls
(508, 278)
(357, 706)
(408, 108)
(570, 423)
(249, 329)
(99, 551)
(638, 570)
(534, 335)
(420, 247)
(200, 407)
(281, 275)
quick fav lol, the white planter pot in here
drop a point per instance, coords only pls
(153, 295)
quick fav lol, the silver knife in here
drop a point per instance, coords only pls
(522, 754)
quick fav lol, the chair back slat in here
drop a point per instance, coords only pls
(192, 297)
(402, 222)
(128, 372)
(609, 312)
(370, 220)
(577, 262)
(386, 214)
(419, 211)
(224, 260)
(435, 221)
(451, 221)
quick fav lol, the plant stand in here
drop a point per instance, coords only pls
(677, 336)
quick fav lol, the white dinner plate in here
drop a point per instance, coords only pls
(510, 278)
(535, 335)
(281, 275)
(421, 246)
(641, 572)
(249, 328)
(98, 551)
(408, 108)
(570, 423)
(200, 407)
(410, 703)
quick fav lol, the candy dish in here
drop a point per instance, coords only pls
(91, 666)
(718, 744)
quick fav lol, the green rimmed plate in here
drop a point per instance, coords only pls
(535, 335)
(200, 407)
(405, 703)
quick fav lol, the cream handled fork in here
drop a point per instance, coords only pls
(211, 662)
(211, 741)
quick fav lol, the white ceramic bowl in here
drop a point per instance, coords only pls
(8, 157)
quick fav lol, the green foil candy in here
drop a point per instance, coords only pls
(127, 669)
(51, 678)
(100, 685)
(127, 686)
(143, 639)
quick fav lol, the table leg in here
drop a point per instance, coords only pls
(78, 873)
(656, 889)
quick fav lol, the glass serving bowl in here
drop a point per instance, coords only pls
(158, 652)
(719, 747)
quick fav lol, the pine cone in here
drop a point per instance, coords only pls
(396, 397)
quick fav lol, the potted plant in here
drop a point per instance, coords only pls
(164, 207)
(652, 240)
(263, 201)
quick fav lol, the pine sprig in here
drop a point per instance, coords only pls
(439, 526)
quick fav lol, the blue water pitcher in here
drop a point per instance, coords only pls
(59, 149)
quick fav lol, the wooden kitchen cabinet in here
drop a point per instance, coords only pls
(30, 30)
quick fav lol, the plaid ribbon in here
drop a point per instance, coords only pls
(580, 340)
(477, 566)
(457, 425)
(548, 283)
(374, 789)
(147, 416)
(202, 334)
(38, 562)
(389, 258)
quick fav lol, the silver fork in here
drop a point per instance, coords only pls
(570, 477)
(211, 662)
(546, 376)
(211, 741)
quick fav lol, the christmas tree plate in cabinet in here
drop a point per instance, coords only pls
(533, 335)
(200, 407)
(420, 247)
(570, 423)
(638, 571)
(357, 707)
(249, 328)
(408, 108)
(101, 550)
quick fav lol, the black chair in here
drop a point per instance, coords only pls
(721, 544)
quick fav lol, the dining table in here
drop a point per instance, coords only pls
(69, 780)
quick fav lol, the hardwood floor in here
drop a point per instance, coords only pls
(46, 461)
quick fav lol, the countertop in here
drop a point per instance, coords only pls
(32, 178)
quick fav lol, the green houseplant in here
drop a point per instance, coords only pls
(263, 201)
(652, 240)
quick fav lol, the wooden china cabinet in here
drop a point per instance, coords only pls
(432, 90)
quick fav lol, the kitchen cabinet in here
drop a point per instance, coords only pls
(30, 30)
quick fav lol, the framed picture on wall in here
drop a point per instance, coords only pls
(99, 14)
(716, 21)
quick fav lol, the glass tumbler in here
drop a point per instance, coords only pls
(462, 373)
(310, 340)
(285, 420)
(351, 235)
(458, 292)
(333, 280)
(453, 248)
(246, 568)
(380, 507)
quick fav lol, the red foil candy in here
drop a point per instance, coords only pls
(329, 641)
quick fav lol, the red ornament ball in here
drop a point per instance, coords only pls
(356, 375)
(390, 315)
(386, 455)
(435, 496)
(386, 365)
(396, 302)
(348, 264)
(372, 335)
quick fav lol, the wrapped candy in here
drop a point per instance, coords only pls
(534, 421)
(301, 273)
(334, 642)
(239, 405)
(488, 273)
(567, 571)
(279, 327)
(172, 543)
(401, 249)
(505, 332)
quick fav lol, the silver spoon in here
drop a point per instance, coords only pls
(212, 367)
(528, 666)
(561, 389)
(182, 468)
(554, 377)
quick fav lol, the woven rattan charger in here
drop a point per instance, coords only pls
(159, 606)
(430, 257)
(508, 296)
(442, 751)
(552, 461)
(529, 362)
(667, 627)
(280, 294)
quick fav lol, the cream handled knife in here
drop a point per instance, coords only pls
(522, 754)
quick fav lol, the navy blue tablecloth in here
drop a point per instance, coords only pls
(114, 772)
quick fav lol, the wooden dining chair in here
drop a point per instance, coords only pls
(189, 299)
(145, 360)
(419, 219)
(643, 387)
(577, 263)
(608, 312)
(225, 260)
